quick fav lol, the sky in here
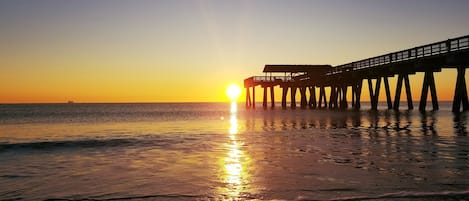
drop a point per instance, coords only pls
(191, 50)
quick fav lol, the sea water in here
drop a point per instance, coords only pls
(221, 151)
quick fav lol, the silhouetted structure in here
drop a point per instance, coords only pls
(452, 53)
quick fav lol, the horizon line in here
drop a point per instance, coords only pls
(163, 102)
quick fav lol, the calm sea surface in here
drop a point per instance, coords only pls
(215, 151)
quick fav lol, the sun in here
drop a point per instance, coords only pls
(233, 91)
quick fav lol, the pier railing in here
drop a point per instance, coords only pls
(434, 49)
(270, 79)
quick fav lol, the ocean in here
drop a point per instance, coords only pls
(221, 151)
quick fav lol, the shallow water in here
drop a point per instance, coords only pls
(209, 151)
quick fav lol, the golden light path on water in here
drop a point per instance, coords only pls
(234, 164)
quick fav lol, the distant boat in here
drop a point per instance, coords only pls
(70, 102)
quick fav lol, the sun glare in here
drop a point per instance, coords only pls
(233, 91)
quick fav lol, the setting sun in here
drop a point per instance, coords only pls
(233, 91)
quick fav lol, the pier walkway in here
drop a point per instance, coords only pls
(429, 59)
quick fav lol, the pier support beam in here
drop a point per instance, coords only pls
(410, 103)
(336, 97)
(403, 78)
(284, 96)
(356, 94)
(428, 82)
(343, 97)
(322, 97)
(374, 94)
(460, 92)
(312, 97)
(304, 101)
(248, 98)
(272, 97)
(388, 92)
(333, 97)
(293, 97)
(264, 100)
(253, 97)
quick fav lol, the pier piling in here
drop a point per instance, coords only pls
(284, 96)
(460, 92)
(403, 78)
(312, 97)
(293, 97)
(272, 97)
(428, 84)
(388, 92)
(303, 102)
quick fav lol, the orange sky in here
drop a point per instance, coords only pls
(190, 51)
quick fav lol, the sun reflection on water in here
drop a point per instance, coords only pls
(233, 126)
(234, 109)
(234, 163)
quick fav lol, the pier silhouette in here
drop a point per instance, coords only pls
(429, 59)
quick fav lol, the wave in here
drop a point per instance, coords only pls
(86, 143)
(243, 196)
(402, 195)
(168, 196)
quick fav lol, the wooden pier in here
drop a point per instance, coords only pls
(429, 59)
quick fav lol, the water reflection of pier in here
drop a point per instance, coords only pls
(428, 59)
(405, 143)
(407, 121)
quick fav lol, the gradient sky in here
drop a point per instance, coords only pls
(188, 50)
